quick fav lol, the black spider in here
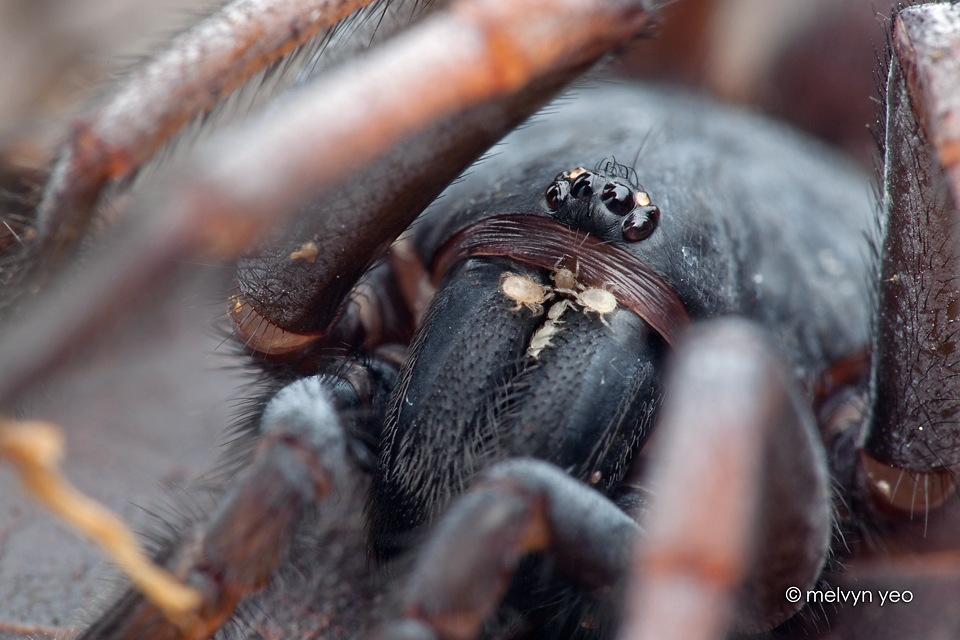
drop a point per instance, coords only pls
(499, 372)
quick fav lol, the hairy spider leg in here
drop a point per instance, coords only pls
(301, 460)
(515, 508)
(913, 440)
(114, 138)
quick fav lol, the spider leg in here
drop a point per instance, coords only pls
(301, 460)
(740, 509)
(204, 65)
(900, 470)
(517, 507)
(295, 294)
(922, 37)
(913, 440)
(477, 53)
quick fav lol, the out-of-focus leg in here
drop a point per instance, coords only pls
(517, 507)
(740, 509)
(203, 66)
(301, 459)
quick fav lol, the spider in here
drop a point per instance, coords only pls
(733, 510)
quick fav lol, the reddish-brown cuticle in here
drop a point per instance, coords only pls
(261, 337)
(905, 493)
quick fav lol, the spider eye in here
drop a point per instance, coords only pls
(556, 194)
(641, 223)
(582, 186)
(617, 198)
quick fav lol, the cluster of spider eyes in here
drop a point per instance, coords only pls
(640, 218)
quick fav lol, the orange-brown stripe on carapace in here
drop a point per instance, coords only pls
(541, 242)
(261, 337)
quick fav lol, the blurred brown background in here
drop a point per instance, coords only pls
(144, 417)
(55, 52)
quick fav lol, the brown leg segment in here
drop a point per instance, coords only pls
(914, 434)
(740, 511)
(202, 67)
(478, 52)
(517, 507)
